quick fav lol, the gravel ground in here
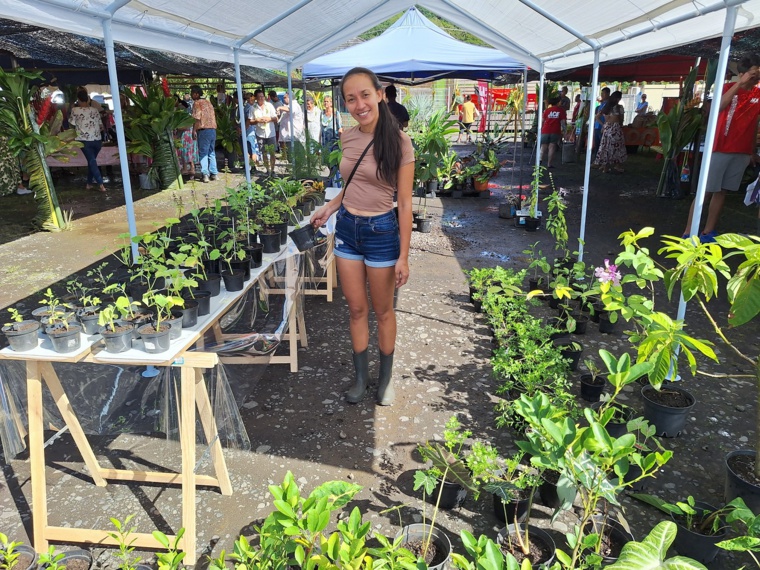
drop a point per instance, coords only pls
(301, 422)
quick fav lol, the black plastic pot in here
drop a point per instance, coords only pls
(613, 529)
(82, 557)
(270, 242)
(203, 298)
(155, 341)
(668, 421)
(255, 252)
(27, 557)
(548, 493)
(536, 284)
(425, 224)
(305, 237)
(592, 388)
(738, 487)
(120, 340)
(506, 512)
(581, 323)
(24, 339)
(532, 224)
(211, 265)
(419, 532)
(243, 265)
(453, 495)
(234, 281)
(212, 284)
(700, 547)
(283, 229)
(605, 324)
(88, 320)
(553, 302)
(534, 533)
(565, 345)
(65, 340)
(620, 427)
(189, 313)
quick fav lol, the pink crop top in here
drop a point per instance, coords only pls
(366, 192)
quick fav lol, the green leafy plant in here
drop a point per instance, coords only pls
(51, 559)
(747, 525)
(162, 305)
(122, 536)
(15, 318)
(650, 553)
(172, 558)
(694, 518)
(8, 553)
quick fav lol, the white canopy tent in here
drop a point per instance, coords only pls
(547, 35)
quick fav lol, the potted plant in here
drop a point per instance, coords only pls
(235, 274)
(16, 554)
(21, 334)
(62, 330)
(149, 125)
(592, 382)
(114, 328)
(156, 335)
(485, 169)
(538, 264)
(701, 526)
(269, 217)
(653, 549)
(448, 484)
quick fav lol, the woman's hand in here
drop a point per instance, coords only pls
(402, 273)
(320, 217)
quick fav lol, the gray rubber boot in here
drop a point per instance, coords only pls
(385, 391)
(361, 368)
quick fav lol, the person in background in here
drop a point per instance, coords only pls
(735, 143)
(612, 153)
(276, 103)
(283, 118)
(85, 118)
(332, 125)
(643, 106)
(264, 118)
(552, 128)
(187, 152)
(205, 133)
(564, 101)
(313, 120)
(470, 114)
(397, 109)
(599, 118)
(250, 131)
(372, 245)
(221, 96)
(576, 109)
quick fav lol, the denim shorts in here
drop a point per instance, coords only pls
(372, 239)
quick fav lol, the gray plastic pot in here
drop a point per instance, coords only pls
(533, 533)
(24, 339)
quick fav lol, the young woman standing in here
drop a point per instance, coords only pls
(371, 246)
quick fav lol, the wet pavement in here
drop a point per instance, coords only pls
(300, 421)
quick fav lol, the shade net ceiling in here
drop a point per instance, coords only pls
(415, 50)
(275, 34)
(58, 52)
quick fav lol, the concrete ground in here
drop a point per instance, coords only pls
(300, 421)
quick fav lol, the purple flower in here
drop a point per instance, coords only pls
(608, 273)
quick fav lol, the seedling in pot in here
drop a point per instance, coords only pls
(56, 316)
(122, 537)
(15, 317)
(99, 276)
(162, 305)
(8, 554)
(50, 560)
(697, 520)
(172, 558)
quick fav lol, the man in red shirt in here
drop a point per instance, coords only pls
(734, 145)
(551, 129)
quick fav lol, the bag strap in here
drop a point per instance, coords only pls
(350, 176)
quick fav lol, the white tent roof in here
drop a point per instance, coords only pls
(274, 34)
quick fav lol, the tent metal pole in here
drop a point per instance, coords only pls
(241, 114)
(540, 111)
(120, 138)
(712, 122)
(525, 106)
(290, 115)
(589, 153)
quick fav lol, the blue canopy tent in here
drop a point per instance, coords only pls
(414, 50)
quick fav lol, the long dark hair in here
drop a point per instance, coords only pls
(387, 138)
(610, 104)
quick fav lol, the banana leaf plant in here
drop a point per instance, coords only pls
(150, 124)
(677, 127)
(29, 137)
